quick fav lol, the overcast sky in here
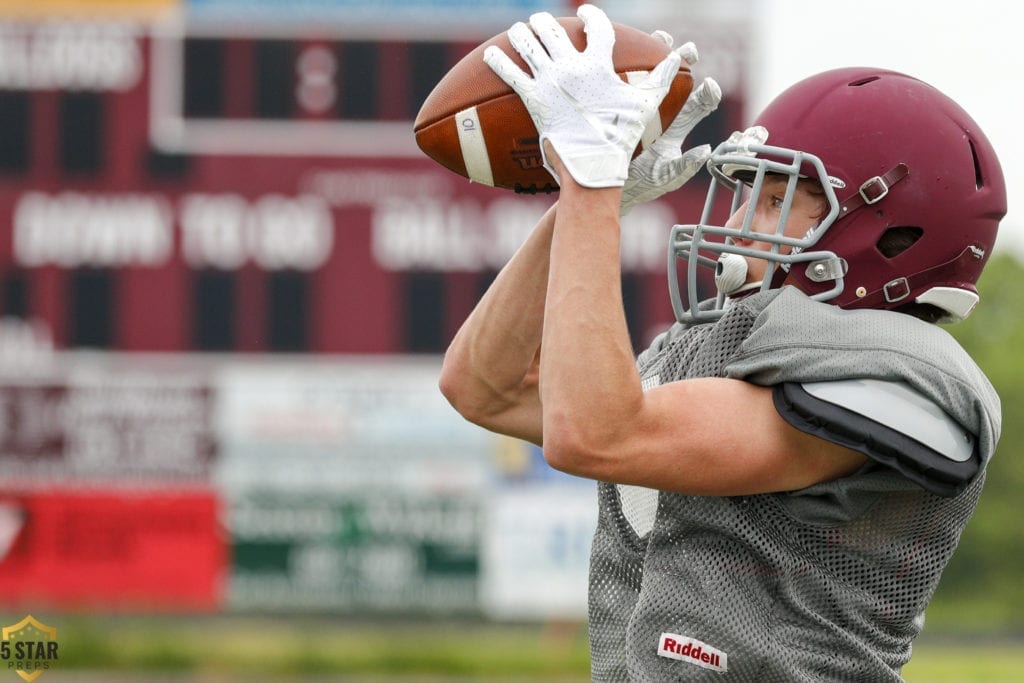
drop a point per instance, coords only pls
(972, 51)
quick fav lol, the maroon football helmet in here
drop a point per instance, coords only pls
(915, 195)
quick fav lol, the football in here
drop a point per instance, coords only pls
(475, 125)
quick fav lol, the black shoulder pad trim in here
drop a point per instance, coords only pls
(915, 461)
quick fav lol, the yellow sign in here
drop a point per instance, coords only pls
(29, 648)
(86, 9)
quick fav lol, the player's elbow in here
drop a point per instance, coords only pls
(571, 447)
(466, 393)
(563, 455)
(456, 389)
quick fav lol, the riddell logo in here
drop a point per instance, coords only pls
(693, 651)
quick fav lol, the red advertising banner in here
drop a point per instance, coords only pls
(133, 549)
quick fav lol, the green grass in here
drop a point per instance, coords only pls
(966, 661)
(307, 648)
(296, 646)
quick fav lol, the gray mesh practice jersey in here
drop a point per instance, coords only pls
(829, 583)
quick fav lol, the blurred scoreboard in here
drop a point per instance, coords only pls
(240, 176)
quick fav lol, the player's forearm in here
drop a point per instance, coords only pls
(588, 381)
(490, 368)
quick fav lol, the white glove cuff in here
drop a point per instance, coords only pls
(606, 166)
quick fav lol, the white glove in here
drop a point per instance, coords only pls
(593, 119)
(743, 139)
(663, 167)
(755, 135)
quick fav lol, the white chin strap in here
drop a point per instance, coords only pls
(731, 273)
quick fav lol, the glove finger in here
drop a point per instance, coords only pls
(755, 135)
(507, 70)
(664, 37)
(708, 95)
(701, 102)
(688, 51)
(705, 97)
(661, 76)
(528, 47)
(597, 26)
(552, 35)
(758, 134)
(695, 158)
(686, 166)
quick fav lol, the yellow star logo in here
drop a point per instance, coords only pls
(29, 646)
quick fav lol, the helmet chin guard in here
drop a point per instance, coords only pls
(914, 196)
(731, 273)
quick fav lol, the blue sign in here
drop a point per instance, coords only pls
(387, 11)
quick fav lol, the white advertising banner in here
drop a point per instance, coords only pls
(535, 551)
(344, 425)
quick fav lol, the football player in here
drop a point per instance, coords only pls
(785, 472)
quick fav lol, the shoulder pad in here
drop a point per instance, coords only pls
(889, 422)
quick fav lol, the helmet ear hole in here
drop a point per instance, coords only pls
(979, 178)
(897, 240)
(863, 81)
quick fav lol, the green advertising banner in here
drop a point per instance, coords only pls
(355, 552)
